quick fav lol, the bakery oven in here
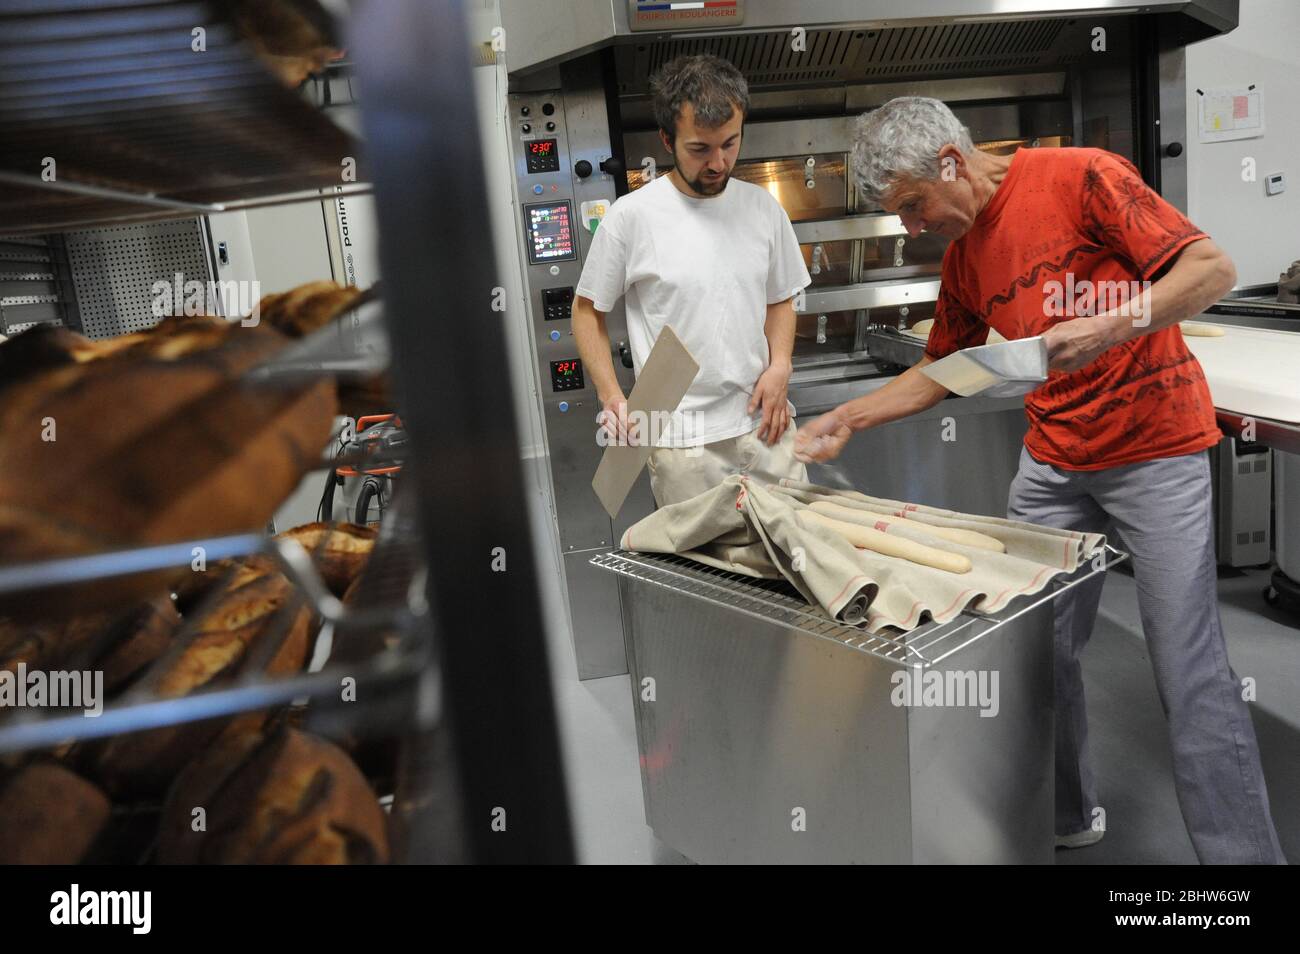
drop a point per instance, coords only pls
(582, 134)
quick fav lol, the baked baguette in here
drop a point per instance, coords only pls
(287, 798)
(340, 552)
(257, 622)
(174, 448)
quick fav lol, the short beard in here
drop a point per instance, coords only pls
(697, 185)
(700, 187)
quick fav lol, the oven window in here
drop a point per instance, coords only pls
(829, 333)
(829, 263)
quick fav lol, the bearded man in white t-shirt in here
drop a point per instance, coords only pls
(717, 259)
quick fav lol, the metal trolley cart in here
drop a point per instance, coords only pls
(770, 733)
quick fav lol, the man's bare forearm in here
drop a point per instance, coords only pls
(1200, 276)
(779, 327)
(593, 348)
(909, 393)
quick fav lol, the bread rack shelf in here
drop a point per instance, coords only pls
(114, 95)
(392, 601)
(111, 114)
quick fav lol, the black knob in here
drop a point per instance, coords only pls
(611, 167)
(550, 127)
(582, 168)
(624, 354)
(526, 128)
(547, 108)
(524, 110)
(1174, 150)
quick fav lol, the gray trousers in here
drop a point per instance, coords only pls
(1162, 512)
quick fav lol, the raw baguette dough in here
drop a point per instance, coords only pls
(968, 538)
(869, 538)
(1201, 331)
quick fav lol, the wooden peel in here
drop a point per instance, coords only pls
(866, 518)
(868, 538)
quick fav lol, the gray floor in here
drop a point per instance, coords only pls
(1128, 736)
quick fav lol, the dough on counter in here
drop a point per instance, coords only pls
(1201, 331)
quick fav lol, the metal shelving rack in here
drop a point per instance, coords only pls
(140, 134)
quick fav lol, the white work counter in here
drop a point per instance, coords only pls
(1252, 371)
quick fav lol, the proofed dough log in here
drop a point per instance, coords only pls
(868, 519)
(871, 539)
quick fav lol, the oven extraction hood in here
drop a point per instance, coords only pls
(1017, 34)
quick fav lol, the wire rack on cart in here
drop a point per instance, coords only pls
(140, 135)
(776, 600)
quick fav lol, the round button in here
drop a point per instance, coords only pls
(538, 189)
(547, 108)
(555, 269)
(582, 168)
(550, 127)
(564, 406)
(555, 336)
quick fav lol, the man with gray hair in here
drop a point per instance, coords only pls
(1120, 431)
(717, 260)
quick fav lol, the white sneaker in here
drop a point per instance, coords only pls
(1079, 839)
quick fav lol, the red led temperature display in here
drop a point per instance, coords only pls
(542, 155)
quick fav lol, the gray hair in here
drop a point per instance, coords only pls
(901, 140)
(712, 86)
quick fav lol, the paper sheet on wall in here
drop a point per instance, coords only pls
(1230, 113)
(660, 387)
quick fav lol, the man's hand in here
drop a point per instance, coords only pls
(1078, 342)
(613, 422)
(770, 394)
(823, 439)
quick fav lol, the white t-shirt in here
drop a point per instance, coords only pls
(708, 267)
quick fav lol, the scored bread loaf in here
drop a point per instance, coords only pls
(304, 309)
(162, 445)
(339, 552)
(49, 816)
(288, 44)
(284, 798)
(144, 638)
(256, 621)
(300, 311)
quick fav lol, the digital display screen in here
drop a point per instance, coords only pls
(542, 155)
(557, 303)
(550, 232)
(566, 375)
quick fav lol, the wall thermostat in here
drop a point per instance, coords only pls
(1275, 183)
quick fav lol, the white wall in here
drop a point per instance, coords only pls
(1260, 232)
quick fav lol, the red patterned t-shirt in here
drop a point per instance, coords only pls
(1067, 232)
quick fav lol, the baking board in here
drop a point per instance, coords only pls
(663, 382)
